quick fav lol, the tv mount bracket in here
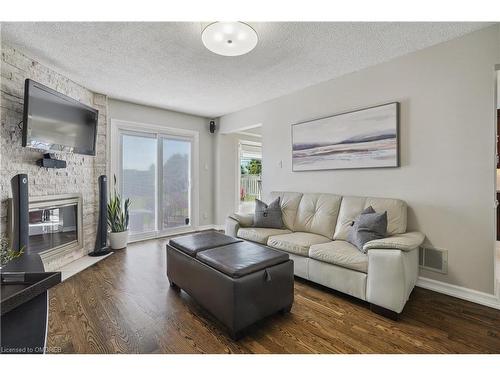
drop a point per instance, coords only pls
(50, 161)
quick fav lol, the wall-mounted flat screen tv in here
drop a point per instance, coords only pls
(54, 122)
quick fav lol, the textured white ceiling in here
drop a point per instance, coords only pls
(166, 64)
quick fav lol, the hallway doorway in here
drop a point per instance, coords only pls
(250, 175)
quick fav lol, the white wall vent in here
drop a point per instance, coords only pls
(433, 259)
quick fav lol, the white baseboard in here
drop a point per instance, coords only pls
(470, 295)
(174, 232)
(209, 227)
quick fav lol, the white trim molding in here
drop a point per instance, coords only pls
(176, 232)
(248, 134)
(157, 131)
(211, 227)
(467, 294)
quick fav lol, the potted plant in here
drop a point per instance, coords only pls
(118, 218)
(6, 253)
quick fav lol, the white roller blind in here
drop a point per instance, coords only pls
(251, 151)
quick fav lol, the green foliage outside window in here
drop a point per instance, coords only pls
(253, 167)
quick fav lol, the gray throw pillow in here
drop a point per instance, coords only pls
(268, 216)
(368, 226)
(367, 210)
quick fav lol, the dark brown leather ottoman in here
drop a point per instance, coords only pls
(239, 282)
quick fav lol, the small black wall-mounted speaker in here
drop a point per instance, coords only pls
(20, 214)
(212, 126)
(101, 241)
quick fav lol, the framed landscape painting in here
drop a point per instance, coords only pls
(366, 138)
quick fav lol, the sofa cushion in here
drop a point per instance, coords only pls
(268, 215)
(351, 207)
(340, 253)
(297, 242)
(289, 202)
(396, 213)
(317, 213)
(260, 235)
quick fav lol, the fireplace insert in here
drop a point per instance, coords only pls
(55, 225)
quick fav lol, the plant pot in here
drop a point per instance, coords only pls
(118, 240)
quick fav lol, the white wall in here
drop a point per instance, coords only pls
(447, 95)
(121, 110)
(227, 162)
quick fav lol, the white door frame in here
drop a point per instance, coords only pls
(496, 276)
(118, 126)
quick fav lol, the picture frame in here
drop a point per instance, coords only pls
(358, 139)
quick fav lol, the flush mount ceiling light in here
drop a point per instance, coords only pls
(229, 38)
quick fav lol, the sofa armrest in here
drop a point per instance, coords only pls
(232, 227)
(245, 220)
(392, 275)
(235, 221)
(406, 242)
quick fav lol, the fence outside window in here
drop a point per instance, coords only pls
(251, 186)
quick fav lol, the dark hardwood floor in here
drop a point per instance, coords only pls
(123, 304)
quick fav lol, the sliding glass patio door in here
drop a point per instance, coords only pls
(155, 173)
(139, 181)
(176, 182)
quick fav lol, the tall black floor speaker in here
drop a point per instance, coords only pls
(20, 213)
(101, 241)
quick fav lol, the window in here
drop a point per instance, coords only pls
(154, 169)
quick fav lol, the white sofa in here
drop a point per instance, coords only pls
(315, 234)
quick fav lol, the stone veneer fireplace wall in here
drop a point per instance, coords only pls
(82, 171)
